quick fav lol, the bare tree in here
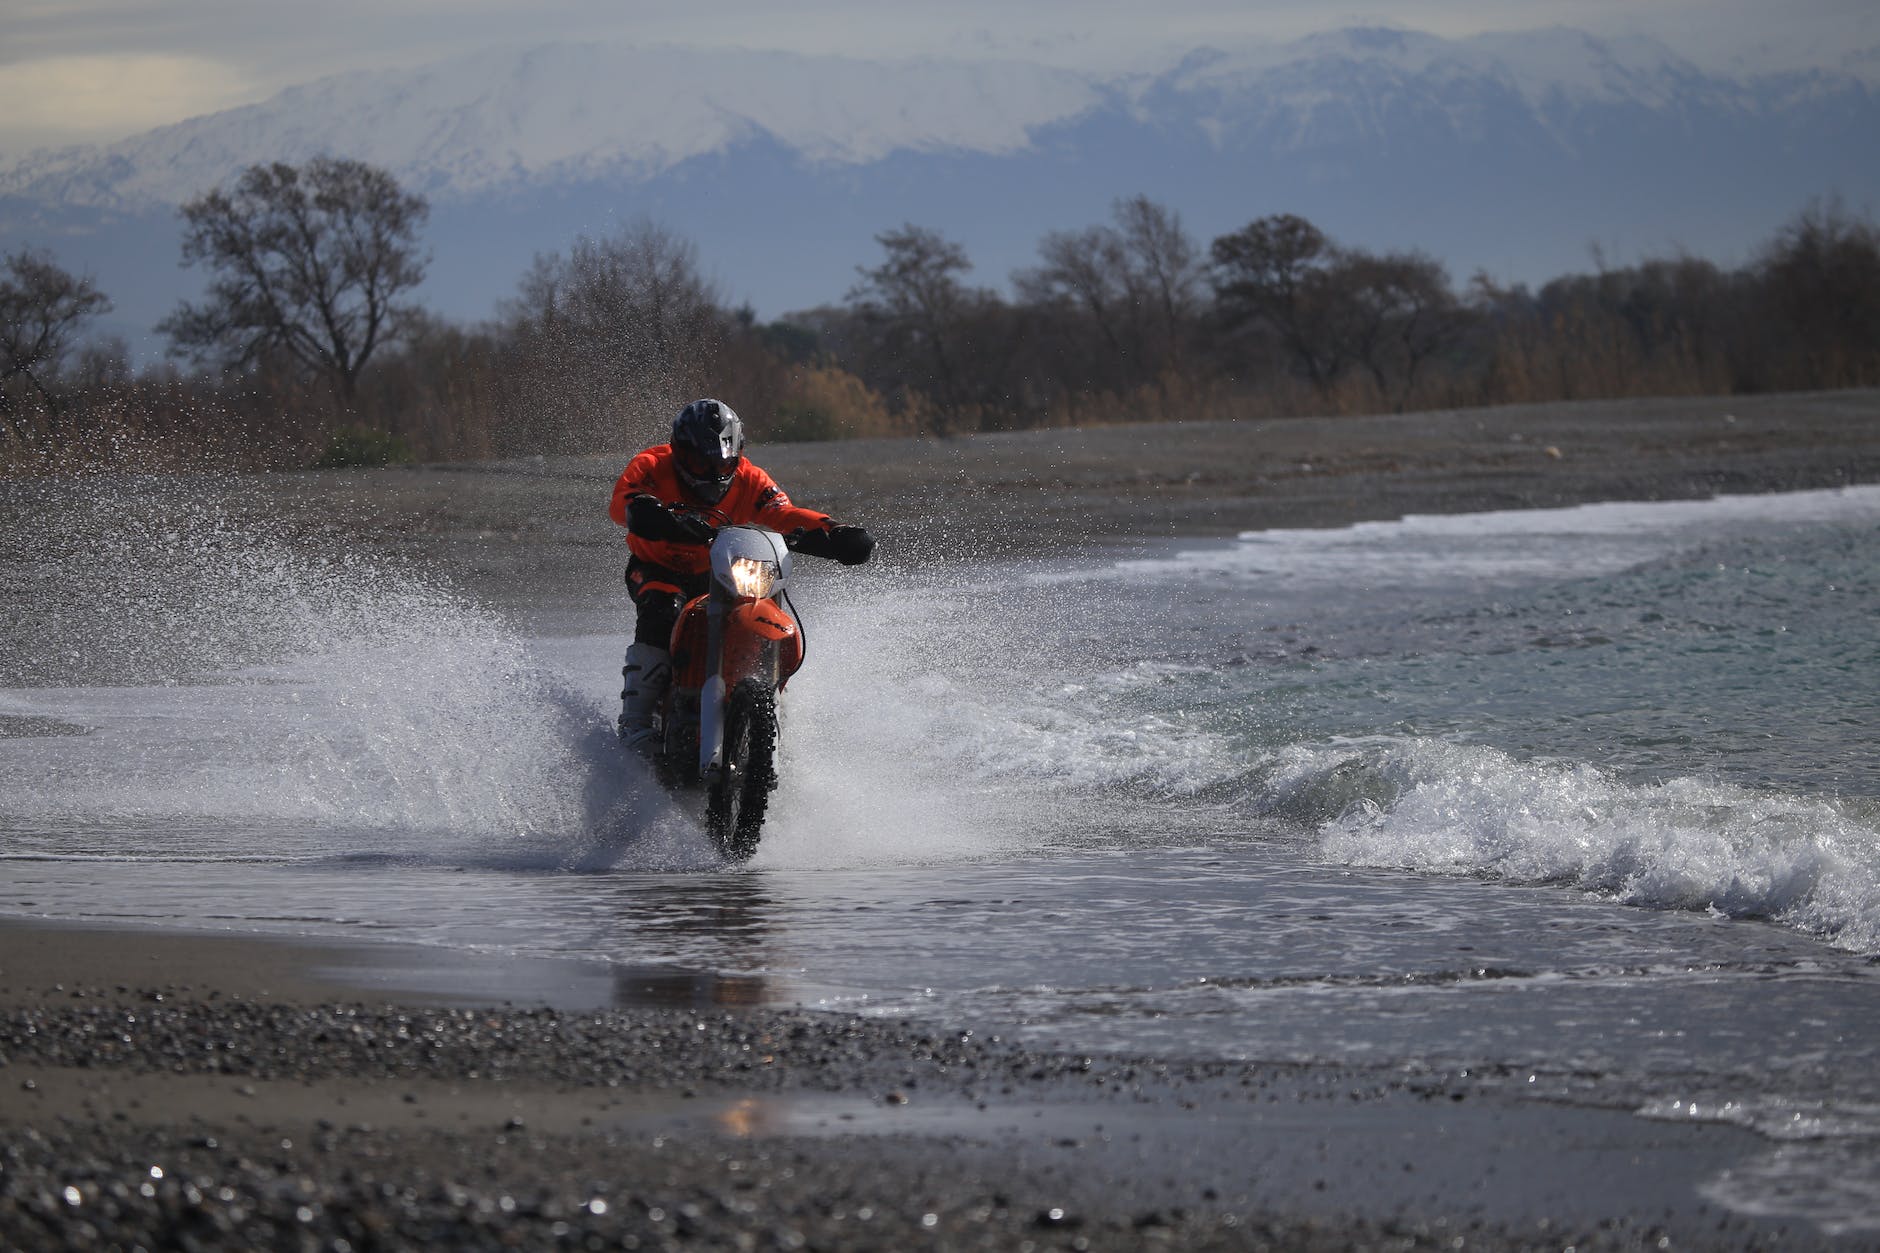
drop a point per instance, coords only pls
(1401, 312)
(639, 293)
(1163, 272)
(918, 306)
(1086, 271)
(1274, 271)
(621, 329)
(1135, 283)
(309, 263)
(1820, 278)
(42, 308)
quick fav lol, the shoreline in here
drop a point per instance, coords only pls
(397, 1095)
(266, 1096)
(526, 532)
(532, 534)
(542, 519)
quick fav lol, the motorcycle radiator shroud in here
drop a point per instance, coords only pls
(759, 638)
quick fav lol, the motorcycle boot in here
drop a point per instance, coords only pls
(648, 673)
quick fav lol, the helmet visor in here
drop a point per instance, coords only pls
(709, 477)
(698, 465)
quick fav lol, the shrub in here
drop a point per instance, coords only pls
(361, 445)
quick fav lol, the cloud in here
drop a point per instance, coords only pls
(77, 99)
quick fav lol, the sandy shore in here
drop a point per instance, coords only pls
(223, 1091)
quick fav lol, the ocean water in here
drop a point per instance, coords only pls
(1583, 802)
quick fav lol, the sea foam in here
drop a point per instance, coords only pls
(1687, 843)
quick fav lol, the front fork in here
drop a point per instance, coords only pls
(742, 640)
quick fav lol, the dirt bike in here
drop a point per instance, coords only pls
(733, 650)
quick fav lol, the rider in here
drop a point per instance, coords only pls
(703, 471)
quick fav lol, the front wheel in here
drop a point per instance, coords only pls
(734, 807)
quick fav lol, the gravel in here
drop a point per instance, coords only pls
(593, 1157)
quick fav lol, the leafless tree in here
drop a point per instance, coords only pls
(1085, 271)
(639, 293)
(309, 262)
(1135, 283)
(1821, 281)
(42, 308)
(1274, 272)
(1401, 312)
(1164, 273)
(918, 307)
(623, 329)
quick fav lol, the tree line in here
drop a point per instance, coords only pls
(306, 347)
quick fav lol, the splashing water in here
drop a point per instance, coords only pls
(292, 686)
(1392, 794)
(1682, 844)
(300, 685)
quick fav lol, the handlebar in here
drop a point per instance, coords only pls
(711, 517)
(832, 544)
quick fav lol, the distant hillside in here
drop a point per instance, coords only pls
(1515, 153)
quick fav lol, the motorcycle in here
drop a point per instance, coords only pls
(733, 651)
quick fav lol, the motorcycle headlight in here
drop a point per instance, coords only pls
(752, 578)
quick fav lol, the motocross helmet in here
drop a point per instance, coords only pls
(707, 445)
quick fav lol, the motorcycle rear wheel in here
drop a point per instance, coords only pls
(735, 805)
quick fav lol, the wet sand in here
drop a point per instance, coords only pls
(239, 1092)
(221, 1091)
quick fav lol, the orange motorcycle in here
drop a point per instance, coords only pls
(733, 650)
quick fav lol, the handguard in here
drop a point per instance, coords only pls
(850, 545)
(650, 518)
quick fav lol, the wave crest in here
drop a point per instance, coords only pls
(1686, 843)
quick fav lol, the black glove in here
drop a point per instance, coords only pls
(689, 528)
(850, 545)
(647, 517)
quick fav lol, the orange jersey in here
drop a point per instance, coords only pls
(753, 497)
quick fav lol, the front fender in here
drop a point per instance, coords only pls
(756, 634)
(765, 618)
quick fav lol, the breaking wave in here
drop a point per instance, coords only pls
(1687, 843)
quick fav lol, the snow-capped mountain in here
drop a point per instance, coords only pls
(567, 113)
(1510, 152)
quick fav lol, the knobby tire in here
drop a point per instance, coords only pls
(734, 810)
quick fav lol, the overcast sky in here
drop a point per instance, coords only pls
(77, 71)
